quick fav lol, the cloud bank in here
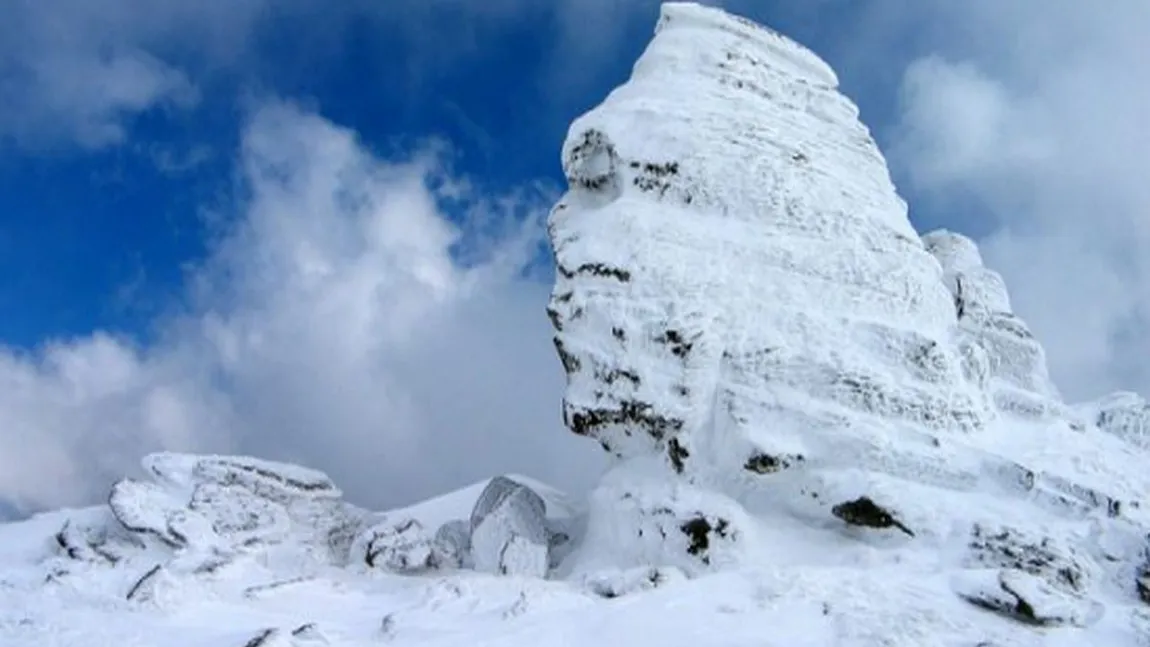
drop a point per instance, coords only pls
(342, 320)
(1034, 116)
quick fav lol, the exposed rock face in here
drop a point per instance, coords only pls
(751, 326)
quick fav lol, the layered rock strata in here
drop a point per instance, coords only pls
(752, 328)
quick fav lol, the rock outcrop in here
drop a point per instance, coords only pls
(507, 532)
(1001, 353)
(1125, 415)
(750, 325)
(206, 511)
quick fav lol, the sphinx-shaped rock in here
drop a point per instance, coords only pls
(1013, 363)
(739, 290)
(752, 328)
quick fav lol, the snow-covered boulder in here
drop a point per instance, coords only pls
(403, 547)
(454, 540)
(509, 534)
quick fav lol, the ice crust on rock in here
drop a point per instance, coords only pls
(739, 289)
(752, 328)
(1013, 362)
(738, 283)
(1125, 415)
(509, 534)
(229, 502)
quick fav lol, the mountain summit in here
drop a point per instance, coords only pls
(824, 430)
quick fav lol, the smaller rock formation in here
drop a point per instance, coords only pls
(195, 515)
(509, 530)
(507, 533)
(405, 548)
(617, 583)
(231, 504)
(454, 540)
(1125, 415)
(999, 351)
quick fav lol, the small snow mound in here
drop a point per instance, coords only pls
(620, 582)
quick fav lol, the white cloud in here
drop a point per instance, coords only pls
(332, 325)
(1039, 111)
(78, 72)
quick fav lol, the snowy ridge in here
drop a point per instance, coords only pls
(826, 429)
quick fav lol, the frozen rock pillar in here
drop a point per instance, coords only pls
(731, 242)
(737, 279)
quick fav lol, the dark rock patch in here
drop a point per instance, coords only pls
(700, 531)
(864, 512)
(588, 422)
(762, 463)
(678, 454)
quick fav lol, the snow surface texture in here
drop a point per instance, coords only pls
(828, 431)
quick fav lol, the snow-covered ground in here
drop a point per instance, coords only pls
(839, 590)
(827, 431)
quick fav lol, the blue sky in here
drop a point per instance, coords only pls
(172, 174)
(106, 252)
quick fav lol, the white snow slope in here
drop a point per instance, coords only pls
(826, 431)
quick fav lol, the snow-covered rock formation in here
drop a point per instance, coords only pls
(1004, 358)
(752, 328)
(211, 509)
(824, 427)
